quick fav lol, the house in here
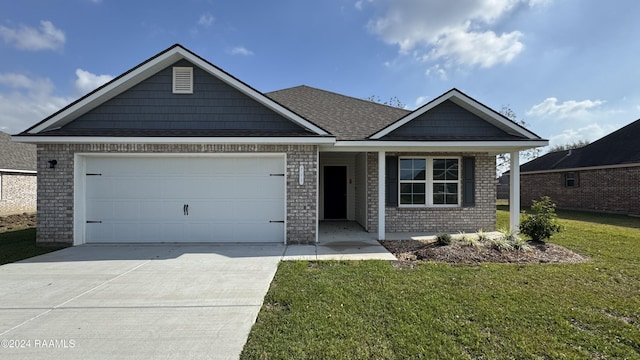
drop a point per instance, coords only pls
(17, 176)
(176, 149)
(603, 176)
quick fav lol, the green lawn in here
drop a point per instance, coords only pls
(371, 310)
(20, 244)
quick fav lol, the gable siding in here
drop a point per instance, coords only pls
(214, 105)
(447, 120)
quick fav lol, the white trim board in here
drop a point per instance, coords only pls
(172, 140)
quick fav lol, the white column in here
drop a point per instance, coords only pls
(514, 192)
(381, 194)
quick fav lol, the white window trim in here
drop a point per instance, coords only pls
(429, 183)
(0, 186)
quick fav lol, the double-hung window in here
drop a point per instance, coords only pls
(429, 181)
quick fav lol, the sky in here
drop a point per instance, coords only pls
(568, 68)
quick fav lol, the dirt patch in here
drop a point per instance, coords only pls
(414, 251)
(17, 222)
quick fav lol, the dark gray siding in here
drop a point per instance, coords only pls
(214, 107)
(448, 121)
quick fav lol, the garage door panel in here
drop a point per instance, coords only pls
(141, 199)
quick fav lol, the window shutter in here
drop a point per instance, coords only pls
(391, 181)
(183, 80)
(468, 181)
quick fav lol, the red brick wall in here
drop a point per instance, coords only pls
(606, 190)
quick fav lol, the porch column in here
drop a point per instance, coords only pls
(514, 192)
(381, 194)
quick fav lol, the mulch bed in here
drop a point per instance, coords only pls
(19, 221)
(415, 251)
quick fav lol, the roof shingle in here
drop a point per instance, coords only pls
(346, 117)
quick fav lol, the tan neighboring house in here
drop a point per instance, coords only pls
(603, 176)
(17, 176)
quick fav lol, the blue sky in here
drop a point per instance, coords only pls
(569, 68)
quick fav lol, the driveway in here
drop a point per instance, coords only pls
(134, 302)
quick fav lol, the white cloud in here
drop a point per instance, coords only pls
(26, 100)
(47, 37)
(590, 133)
(241, 50)
(568, 109)
(421, 100)
(86, 81)
(437, 70)
(206, 20)
(360, 4)
(458, 32)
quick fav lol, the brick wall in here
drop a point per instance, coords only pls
(605, 190)
(434, 220)
(55, 186)
(18, 193)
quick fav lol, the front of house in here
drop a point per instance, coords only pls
(177, 150)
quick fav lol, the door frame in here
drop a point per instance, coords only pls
(80, 187)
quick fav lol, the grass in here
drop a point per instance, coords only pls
(20, 244)
(372, 310)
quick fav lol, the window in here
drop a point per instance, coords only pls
(429, 181)
(570, 179)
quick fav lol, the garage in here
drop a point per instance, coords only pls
(195, 198)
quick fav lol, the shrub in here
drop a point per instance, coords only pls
(542, 223)
(482, 236)
(443, 239)
(470, 240)
(501, 243)
(521, 244)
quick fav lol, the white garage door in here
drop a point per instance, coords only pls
(185, 199)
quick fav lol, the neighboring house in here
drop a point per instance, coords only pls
(176, 149)
(603, 176)
(17, 176)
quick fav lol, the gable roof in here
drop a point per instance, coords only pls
(16, 156)
(320, 117)
(471, 105)
(147, 69)
(346, 117)
(621, 147)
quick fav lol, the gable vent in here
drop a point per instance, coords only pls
(183, 80)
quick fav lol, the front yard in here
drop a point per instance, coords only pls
(374, 310)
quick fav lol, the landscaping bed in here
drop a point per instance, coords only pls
(17, 222)
(458, 252)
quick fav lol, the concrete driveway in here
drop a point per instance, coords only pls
(134, 302)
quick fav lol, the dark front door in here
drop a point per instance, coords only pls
(335, 192)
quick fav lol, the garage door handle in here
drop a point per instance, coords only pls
(185, 209)
(276, 221)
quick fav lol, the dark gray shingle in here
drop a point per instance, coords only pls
(346, 117)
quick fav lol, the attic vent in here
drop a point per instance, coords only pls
(183, 80)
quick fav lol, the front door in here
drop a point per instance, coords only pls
(335, 192)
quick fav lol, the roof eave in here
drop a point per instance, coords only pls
(308, 140)
(494, 147)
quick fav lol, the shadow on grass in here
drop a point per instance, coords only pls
(588, 216)
(21, 244)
